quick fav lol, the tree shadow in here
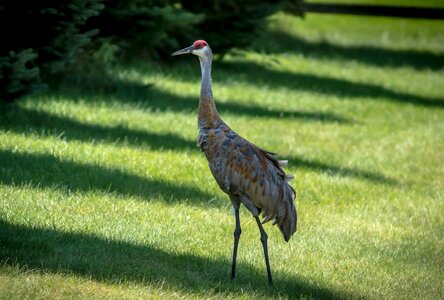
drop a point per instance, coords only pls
(299, 162)
(114, 262)
(150, 97)
(259, 75)
(47, 171)
(26, 120)
(63, 174)
(281, 42)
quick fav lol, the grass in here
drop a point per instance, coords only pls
(103, 193)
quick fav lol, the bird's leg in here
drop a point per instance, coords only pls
(264, 238)
(237, 233)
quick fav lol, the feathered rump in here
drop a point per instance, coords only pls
(286, 217)
(288, 224)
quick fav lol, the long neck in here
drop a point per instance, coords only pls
(207, 108)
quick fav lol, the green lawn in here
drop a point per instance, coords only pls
(103, 193)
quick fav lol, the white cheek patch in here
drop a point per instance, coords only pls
(199, 52)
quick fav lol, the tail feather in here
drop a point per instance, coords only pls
(286, 215)
(288, 224)
(282, 163)
(289, 177)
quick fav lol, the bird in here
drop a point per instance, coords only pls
(249, 175)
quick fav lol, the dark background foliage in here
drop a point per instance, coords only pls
(41, 37)
(47, 37)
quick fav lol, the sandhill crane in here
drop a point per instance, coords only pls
(248, 174)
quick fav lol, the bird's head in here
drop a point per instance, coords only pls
(199, 48)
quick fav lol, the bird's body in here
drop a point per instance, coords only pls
(248, 174)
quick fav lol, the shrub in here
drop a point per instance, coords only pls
(40, 37)
(231, 23)
(149, 28)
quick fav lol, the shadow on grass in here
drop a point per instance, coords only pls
(26, 120)
(280, 42)
(115, 262)
(148, 96)
(44, 170)
(299, 162)
(257, 74)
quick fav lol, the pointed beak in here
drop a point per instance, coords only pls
(184, 51)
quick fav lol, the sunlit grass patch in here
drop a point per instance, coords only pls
(104, 194)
